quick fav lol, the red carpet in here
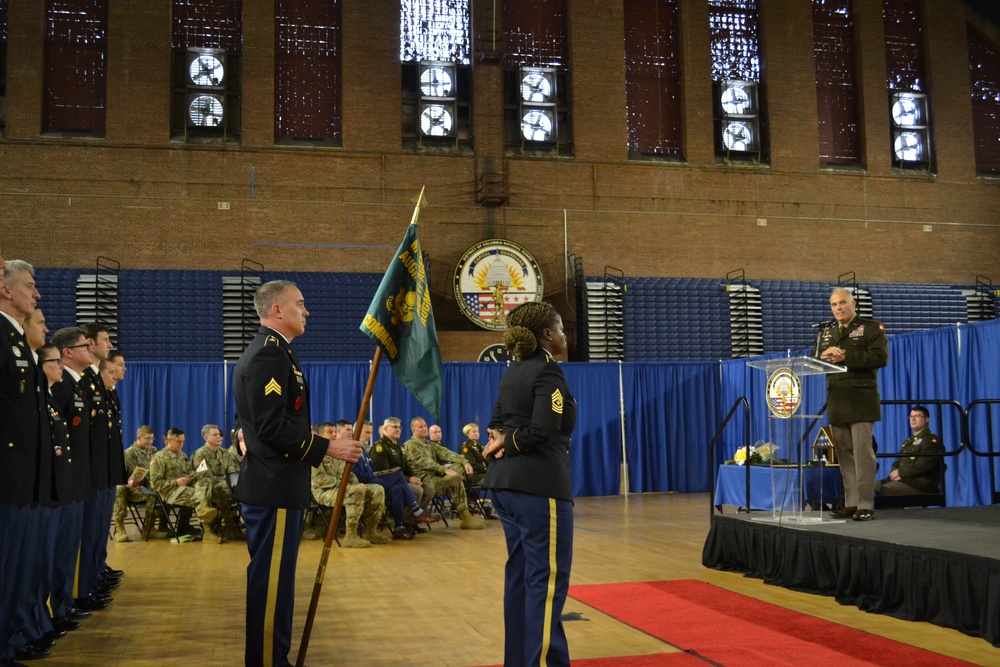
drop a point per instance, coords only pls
(653, 660)
(734, 630)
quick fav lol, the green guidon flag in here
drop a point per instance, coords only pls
(401, 322)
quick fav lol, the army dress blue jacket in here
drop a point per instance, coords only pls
(537, 414)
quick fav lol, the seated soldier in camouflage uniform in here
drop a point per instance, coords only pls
(219, 462)
(362, 502)
(438, 465)
(138, 455)
(174, 478)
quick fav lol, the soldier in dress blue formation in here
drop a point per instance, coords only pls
(272, 401)
(531, 486)
(25, 453)
(73, 402)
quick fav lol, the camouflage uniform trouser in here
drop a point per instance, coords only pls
(220, 495)
(190, 495)
(125, 495)
(453, 484)
(361, 501)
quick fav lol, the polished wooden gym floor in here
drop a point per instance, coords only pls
(434, 601)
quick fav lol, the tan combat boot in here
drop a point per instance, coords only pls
(351, 538)
(373, 536)
(210, 536)
(206, 513)
(469, 523)
(120, 534)
(231, 531)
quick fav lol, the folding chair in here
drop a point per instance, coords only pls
(232, 479)
(171, 513)
(320, 511)
(438, 503)
(476, 496)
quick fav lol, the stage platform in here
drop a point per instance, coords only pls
(938, 565)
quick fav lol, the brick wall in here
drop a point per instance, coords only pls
(153, 204)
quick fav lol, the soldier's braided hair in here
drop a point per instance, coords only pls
(525, 324)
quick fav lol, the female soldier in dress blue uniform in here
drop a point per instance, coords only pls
(531, 488)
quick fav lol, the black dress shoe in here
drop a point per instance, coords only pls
(863, 515)
(844, 513)
(15, 663)
(105, 587)
(114, 573)
(112, 581)
(76, 614)
(54, 634)
(101, 597)
(90, 604)
(42, 643)
(29, 652)
(66, 625)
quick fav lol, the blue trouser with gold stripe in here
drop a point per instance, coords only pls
(539, 534)
(273, 536)
(67, 551)
(14, 520)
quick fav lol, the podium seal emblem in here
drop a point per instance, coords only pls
(784, 393)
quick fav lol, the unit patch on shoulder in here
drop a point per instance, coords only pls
(272, 387)
(557, 402)
(378, 448)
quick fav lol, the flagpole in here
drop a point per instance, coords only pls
(335, 519)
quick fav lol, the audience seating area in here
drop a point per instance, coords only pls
(677, 319)
(177, 315)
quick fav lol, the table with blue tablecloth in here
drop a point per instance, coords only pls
(730, 487)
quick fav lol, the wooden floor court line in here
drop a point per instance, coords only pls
(435, 601)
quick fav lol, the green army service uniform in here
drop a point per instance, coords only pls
(853, 404)
(387, 454)
(430, 460)
(473, 453)
(917, 474)
(135, 457)
(362, 502)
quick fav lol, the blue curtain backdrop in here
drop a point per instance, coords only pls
(671, 409)
(923, 366)
(166, 394)
(595, 451)
(979, 378)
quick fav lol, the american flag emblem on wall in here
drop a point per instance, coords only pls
(483, 304)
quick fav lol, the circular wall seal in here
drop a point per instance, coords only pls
(784, 393)
(492, 278)
(496, 352)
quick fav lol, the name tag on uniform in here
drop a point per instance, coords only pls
(21, 363)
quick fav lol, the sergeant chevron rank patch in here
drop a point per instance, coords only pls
(557, 402)
(272, 387)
